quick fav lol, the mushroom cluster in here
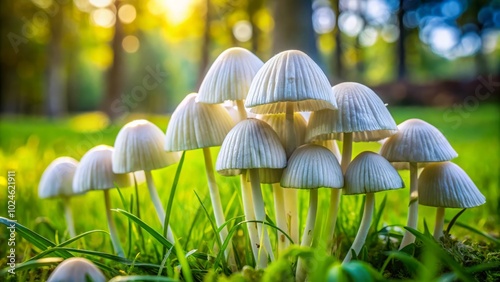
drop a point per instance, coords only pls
(278, 147)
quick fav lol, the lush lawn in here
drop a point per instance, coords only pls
(28, 145)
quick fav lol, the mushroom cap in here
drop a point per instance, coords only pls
(290, 77)
(330, 145)
(369, 172)
(57, 179)
(230, 76)
(139, 146)
(312, 166)
(446, 185)
(417, 141)
(360, 111)
(95, 171)
(252, 143)
(76, 270)
(195, 125)
(277, 122)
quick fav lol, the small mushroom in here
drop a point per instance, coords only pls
(285, 202)
(368, 174)
(446, 185)
(195, 125)
(139, 146)
(95, 172)
(416, 142)
(311, 167)
(76, 270)
(361, 117)
(251, 145)
(56, 181)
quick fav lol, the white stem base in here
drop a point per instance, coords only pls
(331, 220)
(308, 232)
(438, 228)
(292, 214)
(412, 221)
(364, 227)
(279, 208)
(68, 214)
(115, 240)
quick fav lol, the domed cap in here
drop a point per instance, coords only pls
(76, 270)
(195, 125)
(312, 166)
(95, 171)
(252, 143)
(57, 178)
(447, 185)
(360, 111)
(290, 76)
(369, 172)
(229, 77)
(139, 146)
(330, 145)
(417, 141)
(277, 122)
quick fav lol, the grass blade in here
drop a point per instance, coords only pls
(478, 232)
(171, 197)
(30, 264)
(142, 278)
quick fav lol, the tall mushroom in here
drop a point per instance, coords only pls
(361, 117)
(290, 82)
(251, 145)
(282, 208)
(139, 146)
(311, 167)
(95, 172)
(446, 185)
(368, 174)
(416, 142)
(195, 125)
(229, 79)
(57, 181)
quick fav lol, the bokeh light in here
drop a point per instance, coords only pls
(131, 44)
(103, 17)
(350, 23)
(323, 20)
(242, 31)
(127, 13)
(101, 3)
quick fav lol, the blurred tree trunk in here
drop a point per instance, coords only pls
(205, 45)
(293, 27)
(115, 74)
(253, 7)
(401, 43)
(337, 66)
(55, 98)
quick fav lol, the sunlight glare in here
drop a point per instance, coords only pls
(177, 11)
(101, 3)
(103, 17)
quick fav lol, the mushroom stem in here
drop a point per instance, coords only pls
(260, 211)
(408, 238)
(292, 214)
(217, 204)
(364, 227)
(241, 109)
(438, 228)
(157, 203)
(253, 233)
(279, 208)
(115, 240)
(291, 195)
(68, 214)
(308, 232)
(346, 151)
(331, 221)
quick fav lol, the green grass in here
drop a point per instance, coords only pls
(28, 145)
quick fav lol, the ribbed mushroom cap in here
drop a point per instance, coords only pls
(76, 270)
(369, 172)
(446, 185)
(360, 111)
(229, 77)
(139, 146)
(417, 141)
(292, 77)
(95, 171)
(57, 178)
(277, 122)
(252, 143)
(195, 125)
(330, 145)
(312, 166)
